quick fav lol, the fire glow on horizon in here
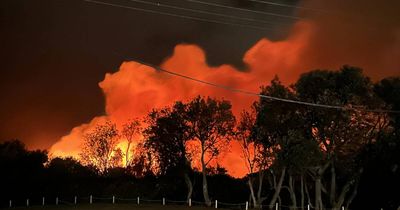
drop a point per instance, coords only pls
(135, 89)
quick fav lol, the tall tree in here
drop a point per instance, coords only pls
(211, 123)
(382, 158)
(167, 135)
(99, 147)
(255, 157)
(340, 133)
(129, 130)
(275, 123)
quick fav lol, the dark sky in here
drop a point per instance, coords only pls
(54, 53)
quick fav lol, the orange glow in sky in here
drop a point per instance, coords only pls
(135, 89)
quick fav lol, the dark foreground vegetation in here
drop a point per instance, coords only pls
(347, 154)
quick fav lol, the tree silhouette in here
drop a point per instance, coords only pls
(22, 171)
(255, 156)
(340, 133)
(167, 136)
(129, 130)
(275, 125)
(99, 147)
(211, 123)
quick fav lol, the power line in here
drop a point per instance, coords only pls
(246, 10)
(176, 15)
(287, 5)
(275, 14)
(232, 89)
(202, 12)
(218, 85)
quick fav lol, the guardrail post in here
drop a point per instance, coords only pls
(138, 200)
(247, 205)
(10, 203)
(308, 206)
(276, 206)
(43, 201)
(342, 207)
(113, 199)
(56, 200)
(75, 200)
(91, 199)
(216, 204)
(27, 202)
(190, 202)
(163, 201)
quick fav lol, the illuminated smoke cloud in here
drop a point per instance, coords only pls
(322, 42)
(135, 89)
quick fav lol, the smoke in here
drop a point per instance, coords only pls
(70, 145)
(358, 33)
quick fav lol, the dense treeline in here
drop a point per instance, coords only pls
(295, 154)
(28, 174)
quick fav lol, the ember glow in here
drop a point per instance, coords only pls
(135, 89)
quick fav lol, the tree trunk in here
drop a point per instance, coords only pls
(308, 195)
(205, 190)
(189, 186)
(260, 185)
(253, 197)
(318, 185)
(205, 186)
(292, 192)
(354, 181)
(332, 194)
(277, 189)
(318, 199)
(343, 193)
(353, 194)
(302, 191)
(127, 154)
(250, 201)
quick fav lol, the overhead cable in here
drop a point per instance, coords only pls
(202, 12)
(287, 5)
(232, 89)
(246, 10)
(179, 16)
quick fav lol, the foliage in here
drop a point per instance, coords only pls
(210, 122)
(295, 154)
(99, 147)
(166, 136)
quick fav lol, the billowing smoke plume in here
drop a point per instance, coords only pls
(350, 33)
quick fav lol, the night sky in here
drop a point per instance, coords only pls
(55, 52)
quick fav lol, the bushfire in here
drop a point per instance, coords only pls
(136, 89)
